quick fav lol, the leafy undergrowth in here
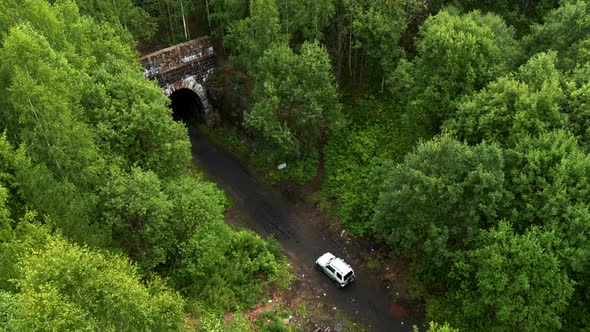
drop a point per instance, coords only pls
(377, 133)
(225, 139)
(299, 172)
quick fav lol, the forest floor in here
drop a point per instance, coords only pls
(377, 301)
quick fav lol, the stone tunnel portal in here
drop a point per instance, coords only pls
(181, 67)
(187, 106)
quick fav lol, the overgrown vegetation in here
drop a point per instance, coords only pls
(102, 227)
(456, 132)
(461, 142)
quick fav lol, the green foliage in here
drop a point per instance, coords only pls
(548, 175)
(232, 274)
(577, 101)
(224, 137)
(509, 282)
(273, 321)
(90, 150)
(209, 261)
(6, 223)
(376, 132)
(210, 322)
(377, 27)
(565, 30)
(520, 14)
(41, 107)
(7, 302)
(457, 55)
(122, 14)
(132, 119)
(547, 178)
(28, 236)
(137, 212)
(294, 100)
(171, 17)
(435, 202)
(434, 327)
(63, 286)
(510, 107)
(64, 106)
(224, 13)
(307, 18)
(252, 36)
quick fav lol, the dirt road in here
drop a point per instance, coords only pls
(267, 211)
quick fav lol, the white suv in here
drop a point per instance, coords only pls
(336, 269)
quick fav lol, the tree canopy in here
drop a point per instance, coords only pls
(455, 132)
(102, 224)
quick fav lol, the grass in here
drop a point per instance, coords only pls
(274, 320)
(226, 139)
(371, 262)
(346, 323)
(302, 311)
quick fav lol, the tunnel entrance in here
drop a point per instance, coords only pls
(186, 106)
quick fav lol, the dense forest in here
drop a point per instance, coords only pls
(102, 226)
(456, 133)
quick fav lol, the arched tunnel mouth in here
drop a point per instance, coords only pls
(186, 106)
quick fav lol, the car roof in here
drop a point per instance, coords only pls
(340, 266)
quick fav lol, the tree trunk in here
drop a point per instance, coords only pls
(208, 16)
(170, 20)
(339, 48)
(186, 36)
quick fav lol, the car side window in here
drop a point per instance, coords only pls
(331, 269)
(338, 276)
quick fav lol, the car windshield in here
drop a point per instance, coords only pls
(348, 275)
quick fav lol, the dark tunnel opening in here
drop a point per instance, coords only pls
(186, 106)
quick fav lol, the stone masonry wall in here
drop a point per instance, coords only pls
(184, 66)
(193, 58)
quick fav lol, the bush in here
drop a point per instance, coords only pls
(377, 134)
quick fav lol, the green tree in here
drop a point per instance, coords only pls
(176, 18)
(123, 14)
(306, 18)
(565, 30)
(224, 13)
(64, 286)
(58, 162)
(41, 109)
(435, 202)
(134, 124)
(576, 102)
(252, 36)
(547, 178)
(6, 222)
(520, 14)
(38, 13)
(209, 261)
(457, 55)
(377, 28)
(527, 104)
(294, 100)
(377, 131)
(547, 174)
(137, 212)
(508, 282)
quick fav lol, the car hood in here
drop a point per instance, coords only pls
(325, 258)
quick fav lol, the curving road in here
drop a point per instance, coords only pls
(268, 211)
